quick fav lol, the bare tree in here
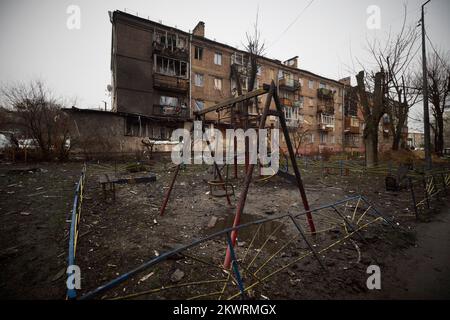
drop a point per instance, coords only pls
(438, 72)
(395, 57)
(39, 116)
(255, 49)
(373, 108)
(298, 135)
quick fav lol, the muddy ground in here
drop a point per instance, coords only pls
(116, 236)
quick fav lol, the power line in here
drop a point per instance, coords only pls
(293, 22)
(437, 54)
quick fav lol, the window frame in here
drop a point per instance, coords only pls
(218, 62)
(198, 53)
(199, 76)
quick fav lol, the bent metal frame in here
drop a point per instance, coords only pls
(271, 91)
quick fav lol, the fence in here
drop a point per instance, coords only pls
(348, 167)
(74, 224)
(426, 190)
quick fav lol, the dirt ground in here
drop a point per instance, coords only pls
(117, 236)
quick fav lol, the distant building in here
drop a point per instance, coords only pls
(415, 140)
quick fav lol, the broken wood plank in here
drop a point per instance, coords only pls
(232, 101)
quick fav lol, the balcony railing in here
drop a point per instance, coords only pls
(289, 84)
(326, 122)
(293, 123)
(171, 111)
(324, 93)
(171, 83)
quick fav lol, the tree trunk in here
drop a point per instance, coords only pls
(396, 140)
(440, 135)
(371, 145)
(396, 143)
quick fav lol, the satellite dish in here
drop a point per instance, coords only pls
(109, 88)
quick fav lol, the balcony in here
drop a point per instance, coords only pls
(327, 109)
(325, 94)
(171, 111)
(177, 52)
(293, 123)
(352, 125)
(289, 84)
(326, 122)
(170, 83)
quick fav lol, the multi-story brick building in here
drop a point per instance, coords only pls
(161, 75)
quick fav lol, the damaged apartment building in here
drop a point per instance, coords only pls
(161, 75)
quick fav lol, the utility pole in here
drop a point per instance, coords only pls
(426, 115)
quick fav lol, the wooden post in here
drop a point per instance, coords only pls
(294, 163)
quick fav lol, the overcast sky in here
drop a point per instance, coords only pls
(325, 34)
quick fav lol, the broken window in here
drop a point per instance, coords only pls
(218, 58)
(217, 83)
(199, 104)
(181, 42)
(199, 80)
(198, 53)
(132, 126)
(168, 101)
(169, 40)
(239, 59)
(171, 67)
(259, 70)
(280, 74)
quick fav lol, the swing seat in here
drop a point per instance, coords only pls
(219, 189)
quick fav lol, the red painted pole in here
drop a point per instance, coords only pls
(166, 198)
(235, 159)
